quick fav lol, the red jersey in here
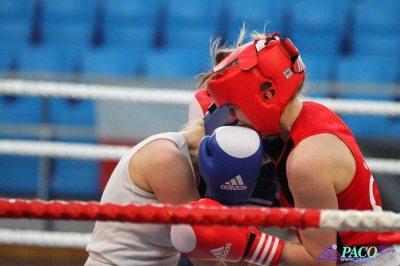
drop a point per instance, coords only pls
(362, 192)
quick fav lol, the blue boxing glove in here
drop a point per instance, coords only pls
(230, 161)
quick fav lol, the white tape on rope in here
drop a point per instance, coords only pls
(360, 220)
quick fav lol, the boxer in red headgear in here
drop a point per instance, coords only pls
(260, 78)
(320, 166)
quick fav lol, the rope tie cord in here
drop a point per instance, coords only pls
(187, 214)
(167, 96)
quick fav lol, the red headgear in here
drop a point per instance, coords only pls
(199, 104)
(250, 75)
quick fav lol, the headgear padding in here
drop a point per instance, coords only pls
(199, 104)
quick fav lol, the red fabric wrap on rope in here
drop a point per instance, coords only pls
(90, 211)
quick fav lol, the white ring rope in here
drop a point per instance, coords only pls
(62, 149)
(94, 92)
(167, 96)
(115, 152)
(340, 106)
(44, 239)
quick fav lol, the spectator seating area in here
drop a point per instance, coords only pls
(90, 36)
(341, 41)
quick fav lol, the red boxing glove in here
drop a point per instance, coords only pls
(226, 243)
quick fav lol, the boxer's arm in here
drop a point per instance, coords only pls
(150, 169)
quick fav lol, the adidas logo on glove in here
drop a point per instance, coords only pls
(226, 158)
(222, 252)
(234, 184)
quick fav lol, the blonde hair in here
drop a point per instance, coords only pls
(218, 52)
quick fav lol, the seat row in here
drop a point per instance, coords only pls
(362, 67)
(329, 27)
(68, 178)
(107, 61)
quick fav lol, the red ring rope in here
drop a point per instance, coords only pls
(90, 211)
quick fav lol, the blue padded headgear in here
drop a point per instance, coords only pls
(216, 117)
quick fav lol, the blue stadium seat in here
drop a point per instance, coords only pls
(111, 60)
(176, 63)
(11, 10)
(319, 67)
(190, 24)
(20, 109)
(135, 36)
(7, 57)
(73, 11)
(320, 25)
(367, 69)
(69, 22)
(328, 44)
(129, 13)
(314, 17)
(47, 59)
(72, 112)
(192, 13)
(377, 17)
(67, 33)
(395, 129)
(18, 174)
(255, 14)
(75, 178)
(376, 45)
(196, 38)
(15, 32)
(369, 126)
